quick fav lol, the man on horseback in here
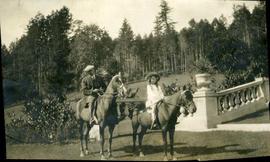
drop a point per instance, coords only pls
(154, 96)
(92, 86)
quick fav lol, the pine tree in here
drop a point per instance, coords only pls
(123, 50)
(164, 28)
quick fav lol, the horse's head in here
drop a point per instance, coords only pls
(186, 102)
(117, 86)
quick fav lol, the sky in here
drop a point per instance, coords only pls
(109, 14)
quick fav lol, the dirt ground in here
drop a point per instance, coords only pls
(188, 146)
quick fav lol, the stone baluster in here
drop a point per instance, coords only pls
(252, 94)
(231, 101)
(220, 105)
(237, 99)
(221, 101)
(225, 103)
(243, 97)
(248, 95)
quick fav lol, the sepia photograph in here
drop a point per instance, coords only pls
(135, 80)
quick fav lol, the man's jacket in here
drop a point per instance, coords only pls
(89, 83)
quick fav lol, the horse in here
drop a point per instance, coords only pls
(106, 113)
(167, 113)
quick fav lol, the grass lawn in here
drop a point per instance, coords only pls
(188, 146)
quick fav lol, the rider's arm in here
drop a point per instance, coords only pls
(84, 88)
(161, 92)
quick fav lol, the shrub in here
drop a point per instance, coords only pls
(46, 119)
(203, 65)
(237, 78)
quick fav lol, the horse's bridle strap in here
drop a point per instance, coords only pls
(176, 105)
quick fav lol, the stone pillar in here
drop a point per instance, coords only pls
(264, 87)
(206, 115)
(207, 108)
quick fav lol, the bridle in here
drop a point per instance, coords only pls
(184, 103)
(122, 88)
(179, 105)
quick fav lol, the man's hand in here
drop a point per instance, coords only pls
(96, 90)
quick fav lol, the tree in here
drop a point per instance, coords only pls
(40, 56)
(258, 49)
(58, 45)
(89, 45)
(164, 29)
(6, 62)
(123, 49)
(240, 25)
(35, 45)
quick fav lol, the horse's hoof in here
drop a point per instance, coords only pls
(174, 158)
(86, 152)
(165, 158)
(141, 154)
(103, 157)
(82, 154)
(110, 155)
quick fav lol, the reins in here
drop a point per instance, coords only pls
(178, 105)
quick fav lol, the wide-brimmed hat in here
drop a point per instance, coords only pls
(88, 68)
(149, 75)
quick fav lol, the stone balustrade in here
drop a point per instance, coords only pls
(215, 108)
(234, 98)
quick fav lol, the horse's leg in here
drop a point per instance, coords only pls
(164, 137)
(135, 127)
(86, 136)
(143, 131)
(171, 133)
(81, 137)
(101, 133)
(111, 128)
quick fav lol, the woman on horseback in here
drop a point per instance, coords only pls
(154, 95)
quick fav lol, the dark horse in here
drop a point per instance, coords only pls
(167, 113)
(106, 113)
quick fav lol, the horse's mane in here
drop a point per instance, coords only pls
(110, 83)
(169, 98)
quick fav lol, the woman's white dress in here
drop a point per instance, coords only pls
(154, 94)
